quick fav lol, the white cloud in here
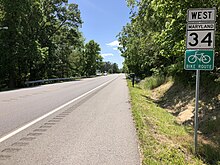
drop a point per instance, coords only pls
(114, 44)
(93, 6)
(107, 54)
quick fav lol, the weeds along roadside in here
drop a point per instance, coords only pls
(162, 139)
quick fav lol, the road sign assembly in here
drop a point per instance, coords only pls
(200, 44)
(200, 35)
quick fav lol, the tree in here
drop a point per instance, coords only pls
(110, 67)
(154, 41)
(92, 58)
(41, 36)
(59, 32)
(19, 44)
(115, 68)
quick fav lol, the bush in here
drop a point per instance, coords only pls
(153, 81)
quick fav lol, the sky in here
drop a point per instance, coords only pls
(103, 20)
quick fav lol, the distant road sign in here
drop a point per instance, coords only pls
(199, 60)
(200, 39)
(201, 15)
(201, 26)
(4, 28)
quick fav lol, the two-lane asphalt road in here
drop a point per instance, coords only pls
(80, 122)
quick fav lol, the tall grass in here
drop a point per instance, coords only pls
(153, 82)
(162, 140)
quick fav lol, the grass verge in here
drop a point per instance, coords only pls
(162, 140)
(153, 82)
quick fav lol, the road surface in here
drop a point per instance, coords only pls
(85, 122)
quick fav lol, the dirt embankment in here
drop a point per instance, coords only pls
(179, 100)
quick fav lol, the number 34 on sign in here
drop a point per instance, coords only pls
(200, 39)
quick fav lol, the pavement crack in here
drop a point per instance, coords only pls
(46, 126)
(49, 123)
(57, 118)
(28, 138)
(34, 134)
(4, 157)
(20, 144)
(40, 130)
(54, 121)
(11, 150)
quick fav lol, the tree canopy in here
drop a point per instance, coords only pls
(154, 40)
(43, 41)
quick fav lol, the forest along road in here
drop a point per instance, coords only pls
(86, 122)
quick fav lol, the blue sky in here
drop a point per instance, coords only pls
(103, 20)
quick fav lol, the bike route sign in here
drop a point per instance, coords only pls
(199, 60)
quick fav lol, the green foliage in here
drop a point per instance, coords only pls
(153, 81)
(109, 67)
(92, 57)
(162, 140)
(154, 40)
(162, 108)
(210, 154)
(43, 41)
(38, 41)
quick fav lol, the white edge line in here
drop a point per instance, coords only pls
(49, 113)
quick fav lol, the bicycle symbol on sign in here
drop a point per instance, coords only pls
(201, 57)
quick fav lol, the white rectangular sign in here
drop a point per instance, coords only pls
(201, 26)
(200, 39)
(201, 15)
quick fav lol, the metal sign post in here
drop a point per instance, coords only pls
(200, 44)
(196, 111)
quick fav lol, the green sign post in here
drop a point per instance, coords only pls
(199, 60)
